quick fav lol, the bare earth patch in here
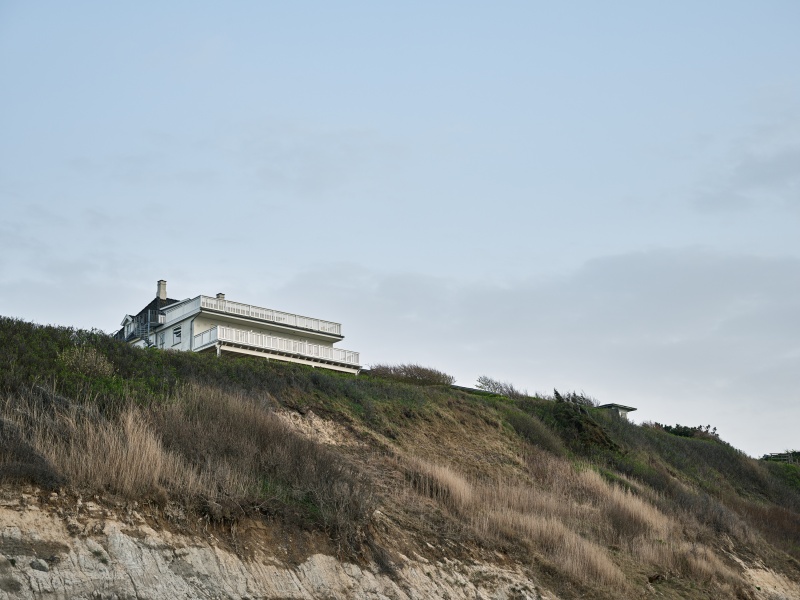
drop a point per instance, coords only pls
(316, 428)
(770, 585)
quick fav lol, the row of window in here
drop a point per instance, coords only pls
(176, 337)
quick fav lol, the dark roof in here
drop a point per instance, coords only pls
(618, 407)
(157, 304)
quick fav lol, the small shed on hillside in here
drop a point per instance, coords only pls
(622, 411)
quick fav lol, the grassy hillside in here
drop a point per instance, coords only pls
(374, 469)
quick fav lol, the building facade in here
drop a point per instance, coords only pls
(619, 409)
(215, 324)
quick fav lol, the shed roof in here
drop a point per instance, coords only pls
(618, 407)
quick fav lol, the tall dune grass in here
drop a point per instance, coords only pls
(569, 514)
(203, 446)
(123, 455)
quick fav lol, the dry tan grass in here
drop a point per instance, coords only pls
(441, 483)
(680, 557)
(122, 455)
(626, 514)
(512, 511)
(203, 445)
(574, 555)
(568, 513)
(528, 498)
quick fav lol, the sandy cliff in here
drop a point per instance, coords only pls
(88, 551)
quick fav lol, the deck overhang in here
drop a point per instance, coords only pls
(241, 349)
(250, 322)
(223, 338)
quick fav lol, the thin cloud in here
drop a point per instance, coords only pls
(685, 335)
(761, 172)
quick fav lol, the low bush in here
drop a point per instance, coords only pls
(503, 388)
(412, 373)
(579, 430)
(700, 431)
(574, 398)
(86, 360)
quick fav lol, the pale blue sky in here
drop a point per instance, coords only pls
(593, 196)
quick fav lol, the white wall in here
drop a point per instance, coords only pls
(170, 341)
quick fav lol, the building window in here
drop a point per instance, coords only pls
(161, 340)
(176, 335)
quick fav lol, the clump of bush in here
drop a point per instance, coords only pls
(412, 373)
(574, 398)
(86, 360)
(701, 431)
(503, 388)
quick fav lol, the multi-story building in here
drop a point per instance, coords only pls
(215, 324)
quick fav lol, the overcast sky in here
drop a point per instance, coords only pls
(591, 196)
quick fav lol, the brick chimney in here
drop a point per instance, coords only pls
(161, 291)
(220, 296)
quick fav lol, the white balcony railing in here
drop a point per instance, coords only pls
(270, 342)
(267, 314)
(176, 311)
(201, 340)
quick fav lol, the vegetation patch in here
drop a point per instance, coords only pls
(412, 373)
(395, 461)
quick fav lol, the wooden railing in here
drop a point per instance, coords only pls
(270, 342)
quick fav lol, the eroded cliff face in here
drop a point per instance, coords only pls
(59, 547)
(92, 552)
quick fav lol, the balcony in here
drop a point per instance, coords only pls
(267, 314)
(156, 317)
(144, 323)
(264, 341)
(255, 312)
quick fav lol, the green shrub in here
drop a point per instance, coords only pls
(574, 398)
(412, 373)
(705, 432)
(86, 360)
